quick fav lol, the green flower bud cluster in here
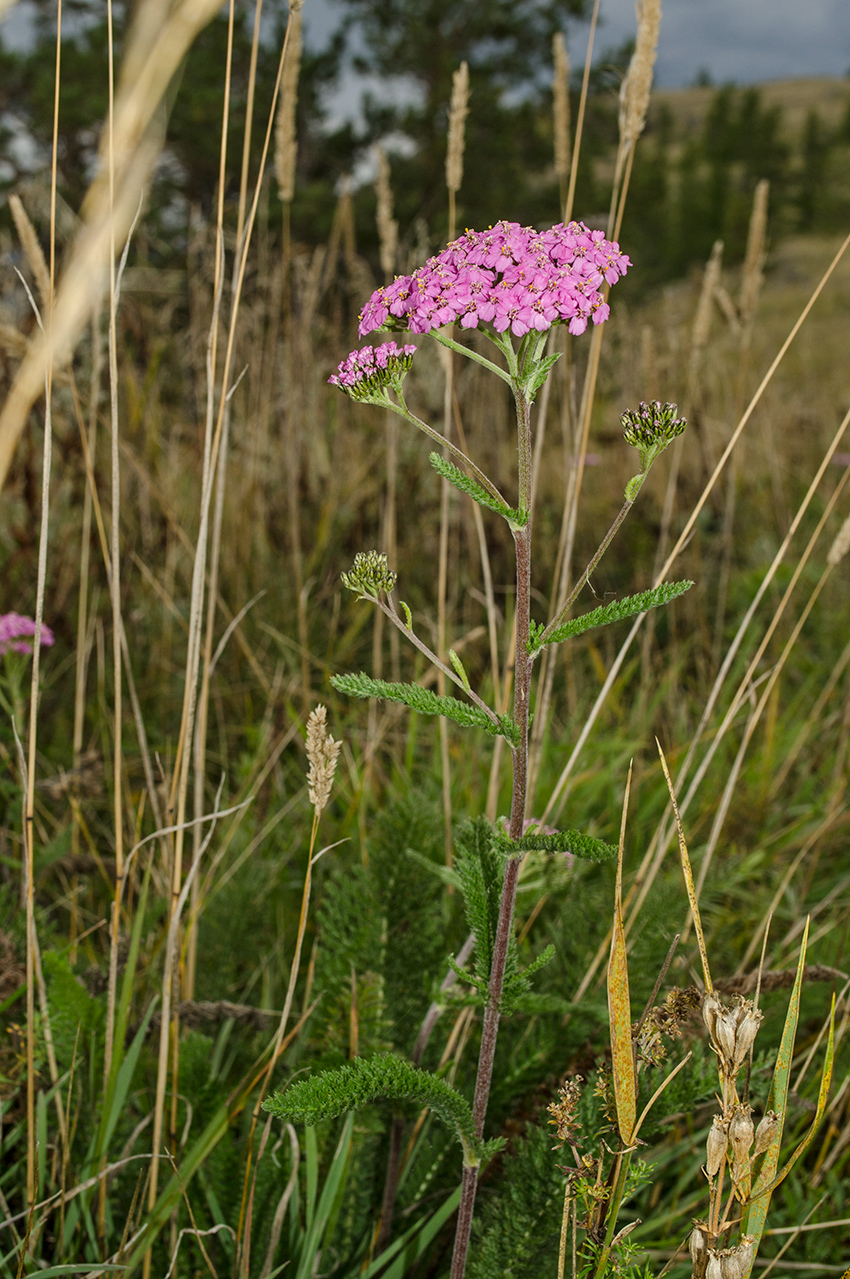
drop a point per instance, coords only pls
(370, 575)
(649, 428)
(652, 424)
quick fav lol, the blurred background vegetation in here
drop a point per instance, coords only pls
(305, 487)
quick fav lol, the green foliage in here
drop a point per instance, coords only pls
(382, 926)
(519, 1224)
(466, 484)
(364, 1080)
(565, 841)
(425, 702)
(480, 866)
(605, 614)
(72, 1009)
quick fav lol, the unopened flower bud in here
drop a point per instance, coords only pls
(741, 1134)
(711, 1006)
(715, 1146)
(370, 575)
(714, 1269)
(745, 1034)
(766, 1131)
(698, 1248)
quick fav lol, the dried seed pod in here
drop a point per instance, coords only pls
(711, 1006)
(731, 1264)
(766, 1131)
(698, 1248)
(724, 1033)
(741, 1134)
(715, 1146)
(745, 1034)
(746, 1251)
(714, 1268)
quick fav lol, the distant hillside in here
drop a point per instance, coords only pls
(827, 95)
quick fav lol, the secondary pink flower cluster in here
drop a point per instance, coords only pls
(372, 368)
(13, 627)
(510, 277)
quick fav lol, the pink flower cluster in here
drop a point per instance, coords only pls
(13, 627)
(509, 277)
(372, 368)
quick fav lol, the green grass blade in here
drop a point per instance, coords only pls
(823, 1094)
(413, 1243)
(322, 1215)
(619, 1004)
(755, 1211)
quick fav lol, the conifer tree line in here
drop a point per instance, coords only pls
(693, 179)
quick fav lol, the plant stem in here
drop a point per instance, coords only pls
(522, 684)
(561, 615)
(484, 480)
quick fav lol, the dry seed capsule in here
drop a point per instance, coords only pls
(766, 1131)
(715, 1146)
(730, 1264)
(714, 1269)
(741, 1134)
(724, 1033)
(698, 1248)
(747, 1252)
(711, 1006)
(745, 1034)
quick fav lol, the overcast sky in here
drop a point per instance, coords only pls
(745, 41)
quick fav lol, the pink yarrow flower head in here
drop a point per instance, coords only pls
(367, 374)
(510, 277)
(16, 632)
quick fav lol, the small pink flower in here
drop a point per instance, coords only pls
(14, 627)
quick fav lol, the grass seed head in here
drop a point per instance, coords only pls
(322, 754)
(458, 111)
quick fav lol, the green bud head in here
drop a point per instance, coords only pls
(370, 575)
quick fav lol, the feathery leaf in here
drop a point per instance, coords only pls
(427, 703)
(608, 613)
(455, 476)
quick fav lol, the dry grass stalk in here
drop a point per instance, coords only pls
(582, 104)
(458, 111)
(637, 85)
(685, 534)
(156, 52)
(31, 248)
(285, 138)
(387, 225)
(753, 272)
(840, 546)
(702, 318)
(561, 109)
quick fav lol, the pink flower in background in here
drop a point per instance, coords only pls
(14, 630)
(511, 276)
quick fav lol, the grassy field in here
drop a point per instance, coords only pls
(269, 963)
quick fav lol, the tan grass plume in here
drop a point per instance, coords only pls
(387, 225)
(458, 111)
(702, 319)
(636, 87)
(561, 106)
(31, 248)
(752, 275)
(322, 754)
(285, 137)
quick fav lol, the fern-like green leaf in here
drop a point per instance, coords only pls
(473, 489)
(608, 613)
(335, 1092)
(427, 703)
(565, 841)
